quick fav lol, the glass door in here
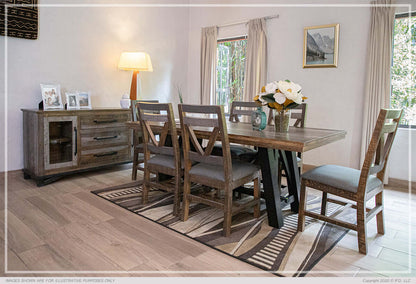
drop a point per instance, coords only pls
(61, 146)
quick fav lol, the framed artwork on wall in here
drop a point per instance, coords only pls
(51, 96)
(72, 100)
(84, 99)
(320, 46)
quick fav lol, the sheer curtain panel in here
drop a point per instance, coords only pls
(377, 86)
(256, 59)
(208, 64)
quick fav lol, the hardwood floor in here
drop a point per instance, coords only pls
(63, 230)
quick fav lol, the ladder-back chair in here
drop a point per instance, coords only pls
(218, 172)
(299, 115)
(244, 109)
(357, 186)
(158, 157)
(239, 108)
(137, 140)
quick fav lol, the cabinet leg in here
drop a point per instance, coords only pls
(46, 181)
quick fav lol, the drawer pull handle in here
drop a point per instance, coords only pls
(76, 141)
(106, 154)
(105, 137)
(105, 121)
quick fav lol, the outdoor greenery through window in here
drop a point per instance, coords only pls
(403, 73)
(231, 59)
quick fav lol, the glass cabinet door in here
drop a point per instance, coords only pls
(61, 147)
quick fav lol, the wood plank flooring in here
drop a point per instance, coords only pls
(63, 230)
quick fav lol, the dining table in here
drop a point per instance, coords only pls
(273, 147)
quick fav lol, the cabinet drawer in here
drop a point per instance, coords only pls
(99, 138)
(107, 155)
(104, 120)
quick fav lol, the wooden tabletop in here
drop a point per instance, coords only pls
(297, 139)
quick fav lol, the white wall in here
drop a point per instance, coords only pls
(335, 95)
(79, 48)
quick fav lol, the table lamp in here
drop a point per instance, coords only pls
(135, 61)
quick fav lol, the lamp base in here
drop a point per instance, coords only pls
(133, 88)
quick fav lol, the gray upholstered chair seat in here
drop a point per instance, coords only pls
(340, 177)
(164, 160)
(240, 170)
(235, 149)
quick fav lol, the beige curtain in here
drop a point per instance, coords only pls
(256, 59)
(208, 64)
(377, 87)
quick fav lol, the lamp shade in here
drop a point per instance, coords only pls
(136, 61)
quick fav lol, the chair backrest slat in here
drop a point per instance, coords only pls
(205, 122)
(379, 148)
(241, 108)
(162, 113)
(219, 132)
(155, 117)
(389, 127)
(135, 113)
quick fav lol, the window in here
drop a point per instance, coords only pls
(231, 59)
(403, 74)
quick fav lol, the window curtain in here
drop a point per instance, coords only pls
(208, 64)
(256, 59)
(379, 57)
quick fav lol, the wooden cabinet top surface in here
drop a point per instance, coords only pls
(76, 111)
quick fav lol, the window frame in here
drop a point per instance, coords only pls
(223, 40)
(400, 16)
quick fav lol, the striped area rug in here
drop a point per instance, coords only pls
(284, 251)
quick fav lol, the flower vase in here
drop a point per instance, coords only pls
(281, 120)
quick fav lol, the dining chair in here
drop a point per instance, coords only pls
(299, 115)
(160, 157)
(138, 158)
(238, 109)
(218, 172)
(355, 185)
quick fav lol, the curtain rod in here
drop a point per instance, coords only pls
(245, 22)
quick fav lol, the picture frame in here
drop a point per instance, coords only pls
(51, 96)
(84, 100)
(72, 101)
(320, 46)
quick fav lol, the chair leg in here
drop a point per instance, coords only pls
(324, 203)
(302, 201)
(135, 164)
(228, 211)
(145, 190)
(185, 202)
(379, 216)
(177, 196)
(256, 194)
(361, 227)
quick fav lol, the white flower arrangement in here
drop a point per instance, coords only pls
(281, 95)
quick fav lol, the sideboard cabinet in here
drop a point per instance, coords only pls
(62, 142)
